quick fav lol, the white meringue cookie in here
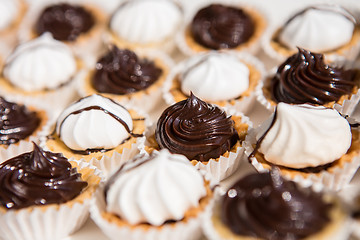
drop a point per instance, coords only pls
(215, 76)
(146, 21)
(94, 122)
(42, 63)
(9, 10)
(318, 29)
(155, 189)
(304, 136)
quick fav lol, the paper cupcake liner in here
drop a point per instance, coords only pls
(143, 100)
(336, 180)
(253, 48)
(211, 232)
(190, 229)
(350, 107)
(259, 93)
(241, 105)
(52, 222)
(108, 164)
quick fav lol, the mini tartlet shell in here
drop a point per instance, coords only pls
(145, 99)
(114, 227)
(172, 87)
(53, 221)
(225, 165)
(188, 46)
(54, 144)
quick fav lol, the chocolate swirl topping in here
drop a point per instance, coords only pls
(38, 178)
(267, 206)
(196, 129)
(64, 21)
(305, 78)
(122, 72)
(16, 122)
(218, 26)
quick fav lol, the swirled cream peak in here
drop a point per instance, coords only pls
(94, 123)
(154, 189)
(215, 77)
(40, 64)
(318, 28)
(146, 21)
(300, 136)
(9, 10)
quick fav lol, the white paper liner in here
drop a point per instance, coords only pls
(253, 48)
(107, 165)
(147, 102)
(339, 178)
(55, 222)
(350, 107)
(180, 231)
(86, 47)
(241, 105)
(212, 234)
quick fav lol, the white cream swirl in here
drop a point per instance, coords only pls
(318, 29)
(215, 76)
(146, 21)
(9, 10)
(304, 136)
(94, 122)
(42, 63)
(155, 189)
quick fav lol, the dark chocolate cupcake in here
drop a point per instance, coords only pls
(266, 206)
(41, 191)
(204, 133)
(305, 77)
(220, 26)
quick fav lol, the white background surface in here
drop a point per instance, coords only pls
(278, 11)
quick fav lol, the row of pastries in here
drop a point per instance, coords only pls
(139, 115)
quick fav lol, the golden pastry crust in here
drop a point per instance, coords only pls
(254, 79)
(54, 144)
(260, 23)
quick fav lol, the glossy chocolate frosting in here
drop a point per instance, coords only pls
(122, 72)
(218, 26)
(267, 206)
(196, 129)
(16, 122)
(38, 178)
(305, 78)
(64, 21)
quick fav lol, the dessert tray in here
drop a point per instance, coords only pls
(277, 11)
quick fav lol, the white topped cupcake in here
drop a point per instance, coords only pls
(145, 24)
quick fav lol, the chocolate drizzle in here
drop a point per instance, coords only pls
(267, 206)
(218, 26)
(196, 129)
(122, 72)
(16, 122)
(38, 178)
(64, 21)
(305, 78)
